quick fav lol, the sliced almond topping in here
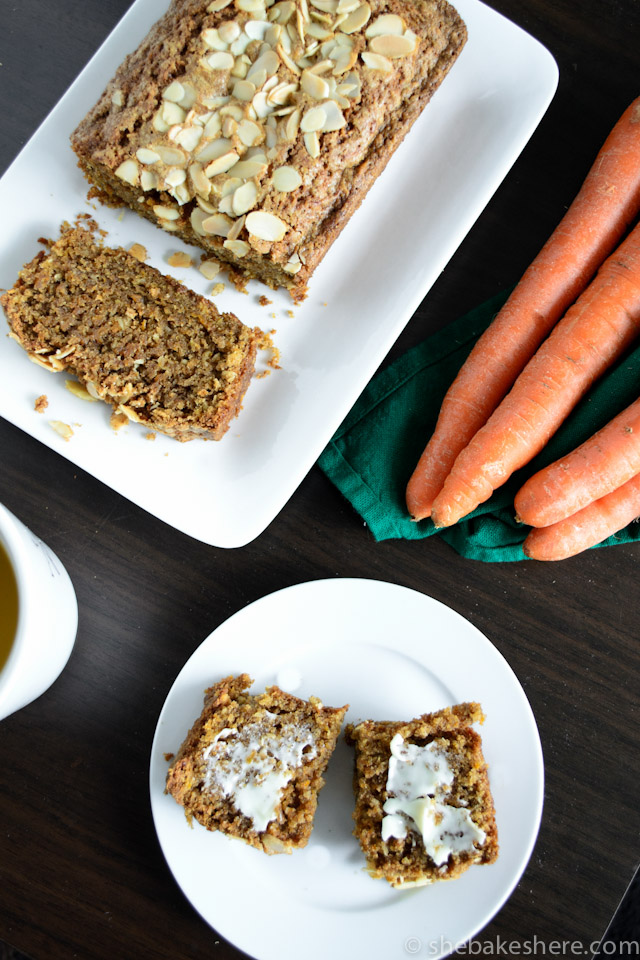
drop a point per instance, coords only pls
(292, 125)
(217, 225)
(357, 19)
(261, 105)
(148, 180)
(78, 389)
(174, 92)
(376, 61)
(247, 169)
(285, 179)
(245, 198)
(282, 12)
(227, 185)
(172, 156)
(213, 149)
(387, 23)
(205, 205)
(236, 229)
(145, 155)
(222, 164)
(316, 87)
(199, 180)
(197, 218)
(286, 59)
(210, 269)
(189, 97)
(266, 226)
(220, 60)
(269, 61)
(212, 39)
(325, 6)
(293, 264)
(181, 193)
(216, 5)
(244, 90)
(229, 31)
(189, 137)
(129, 172)
(229, 127)
(252, 6)
(159, 124)
(172, 113)
(175, 176)
(344, 58)
(166, 213)
(392, 46)
(117, 98)
(334, 118)
(312, 143)
(313, 119)
(250, 133)
(240, 248)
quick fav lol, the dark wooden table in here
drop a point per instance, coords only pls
(81, 872)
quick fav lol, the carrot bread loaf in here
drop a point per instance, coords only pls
(424, 810)
(251, 766)
(157, 352)
(254, 129)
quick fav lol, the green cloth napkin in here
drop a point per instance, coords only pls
(373, 453)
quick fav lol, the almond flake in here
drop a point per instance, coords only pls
(285, 179)
(250, 133)
(251, 6)
(189, 137)
(145, 155)
(148, 180)
(357, 19)
(212, 39)
(387, 23)
(129, 172)
(220, 60)
(196, 219)
(174, 92)
(210, 269)
(292, 125)
(63, 429)
(117, 98)
(312, 143)
(199, 180)
(217, 225)
(236, 229)
(247, 169)
(213, 149)
(222, 164)
(240, 248)
(172, 156)
(245, 198)
(392, 46)
(376, 62)
(166, 213)
(229, 31)
(313, 119)
(286, 59)
(78, 389)
(316, 87)
(216, 5)
(175, 176)
(244, 90)
(266, 226)
(171, 113)
(334, 117)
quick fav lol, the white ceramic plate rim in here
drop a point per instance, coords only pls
(364, 293)
(317, 630)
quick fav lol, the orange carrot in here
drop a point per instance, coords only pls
(603, 210)
(597, 467)
(591, 525)
(590, 337)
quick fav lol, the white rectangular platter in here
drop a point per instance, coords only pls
(362, 296)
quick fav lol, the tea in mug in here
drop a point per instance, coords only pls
(8, 606)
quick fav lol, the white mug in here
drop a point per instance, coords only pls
(47, 617)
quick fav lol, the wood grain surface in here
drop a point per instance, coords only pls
(81, 871)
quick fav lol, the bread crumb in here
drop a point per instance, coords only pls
(215, 290)
(265, 342)
(41, 404)
(290, 313)
(264, 301)
(138, 251)
(150, 436)
(118, 420)
(63, 429)
(180, 259)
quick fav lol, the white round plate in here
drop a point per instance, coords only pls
(392, 654)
